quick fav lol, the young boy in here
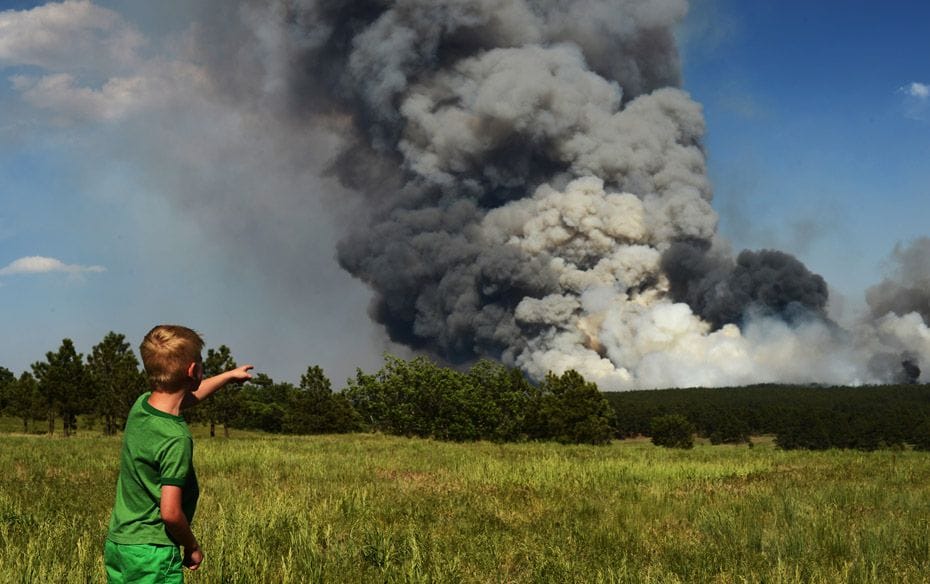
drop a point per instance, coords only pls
(157, 491)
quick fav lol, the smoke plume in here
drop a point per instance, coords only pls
(532, 187)
(722, 291)
(907, 287)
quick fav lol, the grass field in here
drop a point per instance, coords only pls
(365, 508)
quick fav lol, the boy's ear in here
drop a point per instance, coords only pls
(192, 370)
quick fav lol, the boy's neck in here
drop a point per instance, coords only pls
(168, 402)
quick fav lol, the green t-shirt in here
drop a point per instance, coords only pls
(157, 450)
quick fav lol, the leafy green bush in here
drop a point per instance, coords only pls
(672, 431)
(574, 411)
(730, 430)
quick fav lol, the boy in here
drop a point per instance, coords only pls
(157, 491)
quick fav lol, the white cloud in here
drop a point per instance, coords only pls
(918, 90)
(94, 70)
(60, 93)
(43, 265)
(75, 34)
(159, 83)
(916, 101)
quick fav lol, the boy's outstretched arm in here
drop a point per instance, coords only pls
(178, 526)
(211, 384)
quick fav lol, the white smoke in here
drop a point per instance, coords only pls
(613, 322)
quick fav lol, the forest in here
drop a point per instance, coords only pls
(487, 401)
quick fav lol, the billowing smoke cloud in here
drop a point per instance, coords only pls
(900, 305)
(722, 291)
(455, 109)
(907, 287)
(532, 187)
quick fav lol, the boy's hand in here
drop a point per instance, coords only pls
(241, 373)
(192, 558)
(211, 384)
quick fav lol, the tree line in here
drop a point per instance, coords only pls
(488, 401)
(409, 398)
(808, 417)
(66, 385)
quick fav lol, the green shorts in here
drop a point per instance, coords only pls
(142, 563)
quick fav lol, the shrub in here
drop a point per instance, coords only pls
(672, 431)
(731, 430)
(574, 411)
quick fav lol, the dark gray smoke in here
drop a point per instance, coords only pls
(901, 369)
(911, 370)
(437, 286)
(907, 287)
(722, 291)
(453, 108)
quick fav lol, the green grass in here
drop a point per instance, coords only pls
(364, 508)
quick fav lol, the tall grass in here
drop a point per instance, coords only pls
(365, 508)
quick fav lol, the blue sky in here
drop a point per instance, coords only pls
(816, 145)
(818, 120)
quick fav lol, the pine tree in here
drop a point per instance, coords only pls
(114, 372)
(64, 385)
(25, 400)
(221, 407)
(315, 409)
(7, 379)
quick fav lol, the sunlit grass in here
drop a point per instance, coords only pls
(375, 508)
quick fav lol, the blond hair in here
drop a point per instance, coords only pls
(167, 352)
